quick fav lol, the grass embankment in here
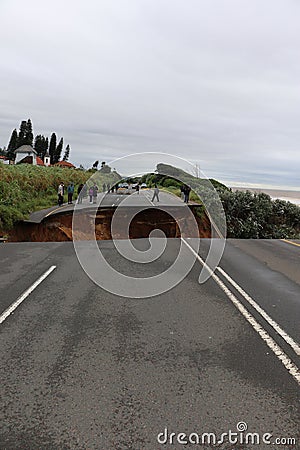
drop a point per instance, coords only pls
(176, 191)
(199, 209)
(25, 188)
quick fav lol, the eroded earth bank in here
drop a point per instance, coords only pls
(58, 228)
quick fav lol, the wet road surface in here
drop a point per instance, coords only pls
(81, 368)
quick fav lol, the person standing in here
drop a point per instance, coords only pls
(155, 194)
(70, 193)
(103, 187)
(186, 191)
(79, 190)
(137, 188)
(84, 191)
(60, 193)
(91, 193)
(95, 193)
(182, 187)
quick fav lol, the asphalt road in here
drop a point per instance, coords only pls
(81, 368)
(122, 199)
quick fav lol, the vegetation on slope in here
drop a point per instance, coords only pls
(25, 188)
(252, 216)
(248, 215)
(172, 176)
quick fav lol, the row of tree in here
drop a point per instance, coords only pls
(40, 143)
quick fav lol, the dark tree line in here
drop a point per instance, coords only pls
(40, 143)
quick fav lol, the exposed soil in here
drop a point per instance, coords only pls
(58, 228)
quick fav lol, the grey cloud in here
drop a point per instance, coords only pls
(215, 82)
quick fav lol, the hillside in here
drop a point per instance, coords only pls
(249, 215)
(25, 188)
(193, 182)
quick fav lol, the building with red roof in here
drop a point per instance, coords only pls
(64, 164)
(28, 160)
(4, 160)
(25, 154)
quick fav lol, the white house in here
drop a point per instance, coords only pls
(47, 160)
(4, 160)
(25, 151)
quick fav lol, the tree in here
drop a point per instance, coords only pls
(22, 133)
(38, 145)
(95, 165)
(29, 133)
(67, 153)
(59, 150)
(52, 148)
(46, 145)
(41, 145)
(25, 136)
(13, 145)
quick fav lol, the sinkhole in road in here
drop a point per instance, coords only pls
(58, 227)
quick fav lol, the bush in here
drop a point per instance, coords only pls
(168, 182)
(251, 215)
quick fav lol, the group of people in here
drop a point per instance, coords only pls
(81, 193)
(61, 192)
(92, 192)
(184, 189)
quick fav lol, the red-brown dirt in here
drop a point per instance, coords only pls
(58, 228)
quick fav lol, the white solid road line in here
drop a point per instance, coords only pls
(288, 339)
(276, 349)
(25, 294)
(262, 312)
(57, 209)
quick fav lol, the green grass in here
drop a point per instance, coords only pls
(197, 209)
(25, 188)
(171, 189)
(176, 191)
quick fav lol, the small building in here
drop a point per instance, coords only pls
(65, 164)
(26, 151)
(4, 160)
(27, 155)
(47, 160)
(28, 160)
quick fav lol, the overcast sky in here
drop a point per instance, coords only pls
(214, 81)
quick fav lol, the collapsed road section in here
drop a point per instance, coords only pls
(57, 227)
